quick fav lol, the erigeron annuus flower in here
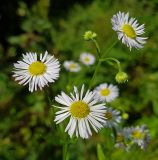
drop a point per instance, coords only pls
(140, 136)
(128, 30)
(106, 93)
(72, 66)
(122, 139)
(113, 117)
(36, 73)
(87, 59)
(84, 111)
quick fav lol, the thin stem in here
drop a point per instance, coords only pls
(97, 47)
(65, 151)
(49, 102)
(114, 132)
(99, 57)
(112, 59)
(94, 74)
(112, 45)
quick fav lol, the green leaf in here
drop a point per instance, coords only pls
(100, 153)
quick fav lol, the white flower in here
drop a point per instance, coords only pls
(140, 136)
(106, 93)
(87, 59)
(122, 139)
(38, 73)
(113, 117)
(72, 66)
(128, 30)
(83, 111)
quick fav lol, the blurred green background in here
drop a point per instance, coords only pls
(27, 130)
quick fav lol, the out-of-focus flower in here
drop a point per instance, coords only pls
(113, 117)
(140, 136)
(72, 66)
(83, 111)
(87, 59)
(128, 30)
(106, 93)
(122, 139)
(38, 73)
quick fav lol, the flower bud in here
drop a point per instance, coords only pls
(121, 77)
(125, 116)
(89, 35)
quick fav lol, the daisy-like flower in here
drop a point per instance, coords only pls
(72, 66)
(87, 59)
(140, 136)
(128, 30)
(113, 117)
(83, 110)
(36, 73)
(122, 139)
(106, 93)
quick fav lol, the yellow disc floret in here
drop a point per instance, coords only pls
(72, 66)
(79, 109)
(86, 59)
(108, 115)
(37, 68)
(137, 134)
(119, 137)
(129, 31)
(105, 92)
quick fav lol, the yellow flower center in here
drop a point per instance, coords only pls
(86, 59)
(105, 92)
(79, 109)
(129, 31)
(137, 134)
(37, 68)
(108, 115)
(119, 138)
(72, 66)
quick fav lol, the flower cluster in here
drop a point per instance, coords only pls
(87, 110)
(130, 136)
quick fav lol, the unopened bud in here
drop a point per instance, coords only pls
(89, 35)
(125, 116)
(121, 77)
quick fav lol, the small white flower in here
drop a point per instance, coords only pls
(87, 59)
(122, 139)
(113, 117)
(106, 93)
(72, 66)
(38, 73)
(128, 30)
(83, 111)
(140, 136)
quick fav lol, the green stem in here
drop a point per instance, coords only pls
(112, 59)
(65, 151)
(108, 50)
(97, 47)
(49, 102)
(100, 60)
(94, 74)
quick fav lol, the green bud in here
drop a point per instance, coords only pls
(125, 116)
(89, 35)
(121, 77)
